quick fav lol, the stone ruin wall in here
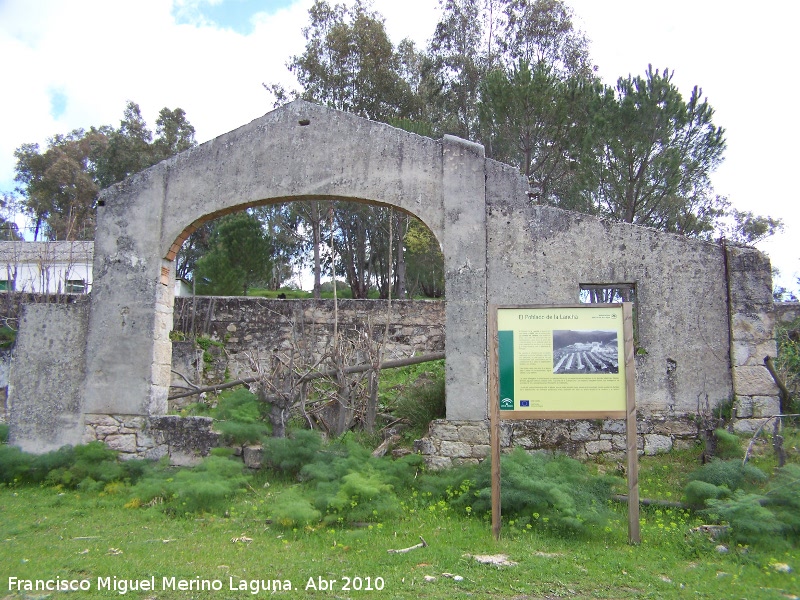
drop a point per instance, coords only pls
(248, 327)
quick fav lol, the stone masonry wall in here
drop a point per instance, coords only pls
(454, 443)
(752, 318)
(244, 326)
(186, 440)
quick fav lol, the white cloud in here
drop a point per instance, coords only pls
(101, 53)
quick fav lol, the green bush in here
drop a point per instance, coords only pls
(698, 492)
(202, 489)
(537, 490)
(239, 415)
(424, 400)
(750, 522)
(728, 445)
(292, 509)
(731, 474)
(290, 454)
(783, 499)
(93, 463)
(3, 433)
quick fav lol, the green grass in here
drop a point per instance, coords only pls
(47, 532)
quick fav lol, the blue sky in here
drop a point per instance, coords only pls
(74, 65)
(236, 15)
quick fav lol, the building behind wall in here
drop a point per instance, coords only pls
(46, 267)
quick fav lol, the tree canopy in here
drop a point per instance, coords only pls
(59, 186)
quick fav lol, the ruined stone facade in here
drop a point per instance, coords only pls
(704, 311)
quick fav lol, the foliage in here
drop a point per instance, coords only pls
(206, 488)
(424, 261)
(787, 362)
(536, 121)
(292, 508)
(728, 445)
(755, 509)
(349, 485)
(290, 454)
(423, 400)
(750, 522)
(7, 336)
(240, 256)
(239, 416)
(3, 433)
(537, 490)
(783, 499)
(654, 153)
(349, 63)
(70, 467)
(731, 474)
(59, 186)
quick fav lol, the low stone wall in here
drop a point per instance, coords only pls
(242, 326)
(186, 440)
(786, 312)
(453, 443)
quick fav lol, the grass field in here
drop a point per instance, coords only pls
(92, 540)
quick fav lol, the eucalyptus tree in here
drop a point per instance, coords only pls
(59, 185)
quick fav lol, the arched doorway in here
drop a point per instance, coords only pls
(300, 151)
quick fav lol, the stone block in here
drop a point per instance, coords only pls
(438, 463)
(747, 426)
(103, 420)
(743, 406)
(614, 426)
(122, 443)
(102, 431)
(656, 444)
(474, 434)
(481, 450)
(675, 427)
(756, 327)
(425, 446)
(455, 449)
(598, 447)
(753, 381)
(253, 456)
(765, 406)
(751, 353)
(443, 431)
(583, 431)
(619, 442)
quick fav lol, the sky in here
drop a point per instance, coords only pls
(71, 64)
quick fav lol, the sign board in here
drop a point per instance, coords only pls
(561, 362)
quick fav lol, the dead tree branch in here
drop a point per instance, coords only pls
(389, 364)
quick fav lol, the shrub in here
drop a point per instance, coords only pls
(783, 498)
(731, 474)
(539, 490)
(424, 400)
(750, 522)
(203, 489)
(728, 445)
(291, 509)
(698, 492)
(3, 433)
(290, 454)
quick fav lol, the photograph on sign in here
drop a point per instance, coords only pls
(561, 359)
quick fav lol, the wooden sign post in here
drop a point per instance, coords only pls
(563, 362)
